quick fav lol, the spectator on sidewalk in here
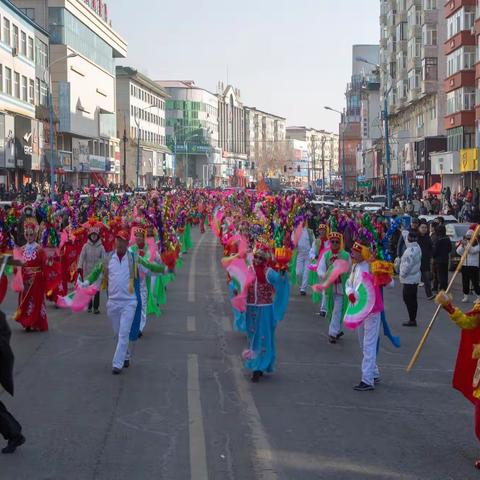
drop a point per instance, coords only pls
(426, 246)
(410, 276)
(441, 256)
(470, 267)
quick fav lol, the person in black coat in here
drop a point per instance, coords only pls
(441, 256)
(426, 245)
(10, 428)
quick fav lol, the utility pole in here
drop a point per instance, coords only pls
(323, 162)
(125, 139)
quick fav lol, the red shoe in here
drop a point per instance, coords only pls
(477, 464)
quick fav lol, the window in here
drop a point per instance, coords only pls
(16, 84)
(29, 12)
(429, 4)
(31, 91)
(1, 78)
(420, 121)
(41, 50)
(433, 112)
(461, 59)
(429, 34)
(30, 48)
(66, 29)
(460, 99)
(6, 31)
(23, 44)
(43, 93)
(24, 88)
(461, 20)
(430, 69)
(15, 38)
(37, 91)
(414, 79)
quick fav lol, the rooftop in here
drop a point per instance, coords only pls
(129, 72)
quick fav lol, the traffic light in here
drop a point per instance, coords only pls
(284, 169)
(298, 168)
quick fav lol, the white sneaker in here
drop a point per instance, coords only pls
(421, 284)
(465, 299)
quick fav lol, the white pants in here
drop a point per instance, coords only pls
(336, 321)
(121, 314)
(368, 338)
(143, 296)
(303, 261)
(323, 302)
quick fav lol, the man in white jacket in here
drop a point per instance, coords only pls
(410, 276)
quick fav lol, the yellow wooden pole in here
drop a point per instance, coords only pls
(437, 311)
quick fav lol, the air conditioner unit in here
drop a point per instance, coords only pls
(14, 52)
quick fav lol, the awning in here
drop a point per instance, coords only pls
(435, 189)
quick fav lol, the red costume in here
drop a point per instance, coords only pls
(31, 311)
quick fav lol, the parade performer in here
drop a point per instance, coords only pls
(267, 301)
(336, 299)
(304, 240)
(147, 283)
(368, 305)
(31, 312)
(318, 250)
(466, 377)
(120, 270)
(92, 253)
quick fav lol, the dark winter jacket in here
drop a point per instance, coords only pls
(441, 250)
(426, 245)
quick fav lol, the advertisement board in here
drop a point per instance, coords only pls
(23, 142)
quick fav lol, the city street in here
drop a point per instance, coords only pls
(186, 409)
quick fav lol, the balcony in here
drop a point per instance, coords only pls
(453, 5)
(429, 86)
(429, 17)
(413, 94)
(464, 78)
(464, 37)
(429, 51)
(465, 118)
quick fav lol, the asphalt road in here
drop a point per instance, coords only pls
(186, 409)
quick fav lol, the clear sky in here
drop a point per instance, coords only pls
(287, 57)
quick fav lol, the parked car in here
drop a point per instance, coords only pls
(447, 218)
(455, 231)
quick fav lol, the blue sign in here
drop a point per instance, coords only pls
(319, 182)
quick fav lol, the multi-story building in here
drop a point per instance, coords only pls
(141, 124)
(83, 49)
(458, 167)
(232, 139)
(412, 66)
(265, 143)
(364, 60)
(23, 60)
(192, 132)
(370, 130)
(322, 159)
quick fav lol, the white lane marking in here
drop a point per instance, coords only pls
(227, 324)
(262, 451)
(191, 324)
(192, 272)
(323, 465)
(198, 455)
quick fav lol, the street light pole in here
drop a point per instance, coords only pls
(385, 119)
(342, 131)
(50, 114)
